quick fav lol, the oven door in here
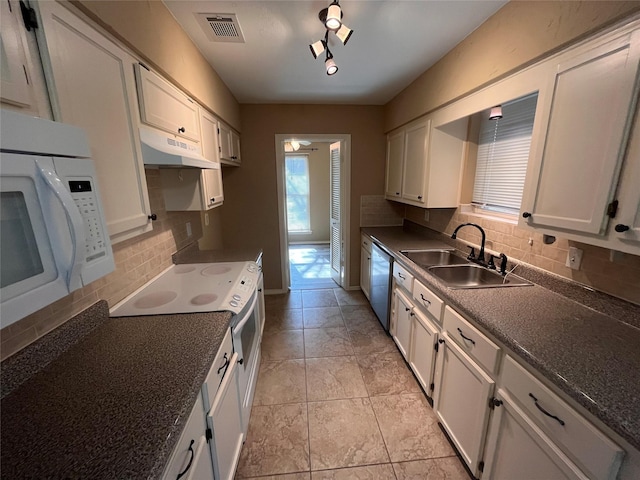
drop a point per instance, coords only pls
(246, 343)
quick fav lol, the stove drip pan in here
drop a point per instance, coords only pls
(203, 299)
(155, 299)
(216, 270)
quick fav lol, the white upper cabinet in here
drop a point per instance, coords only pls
(416, 142)
(92, 85)
(209, 136)
(16, 89)
(191, 189)
(582, 138)
(624, 231)
(395, 158)
(164, 106)
(22, 85)
(424, 163)
(229, 142)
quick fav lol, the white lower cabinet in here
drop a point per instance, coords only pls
(461, 400)
(518, 449)
(404, 317)
(225, 424)
(209, 446)
(422, 352)
(190, 459)
(365, 265)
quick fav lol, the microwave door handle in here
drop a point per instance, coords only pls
(74, 218)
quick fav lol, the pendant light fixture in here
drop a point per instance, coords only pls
(331, 18)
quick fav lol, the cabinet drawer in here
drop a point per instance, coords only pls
(402, 276)
(590, 448)
(191, 439)
(428, 301)
(218, 369)
(365, 242)
(472, 341)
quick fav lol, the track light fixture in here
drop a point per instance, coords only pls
(331, 18)
(496, 113)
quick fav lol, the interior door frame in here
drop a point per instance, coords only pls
(345, 201)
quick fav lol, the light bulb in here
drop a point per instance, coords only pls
(332, 68)
(334, 20)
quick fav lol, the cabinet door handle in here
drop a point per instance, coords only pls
(427, 301)
(180, 475)
(224, 365)
(181, 130)
(466, 338)
(526, 215)
(212, 199)
(535, 401)
(153, 217)
(401, 276)
(241, 361)
(621, 228)
(412, 314)
(419, 197)
(406, 309)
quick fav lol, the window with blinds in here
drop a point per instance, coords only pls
(297, 190)
(503, 152)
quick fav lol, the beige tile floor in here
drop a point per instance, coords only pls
(335, 400)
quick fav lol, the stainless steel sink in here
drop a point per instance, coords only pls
(429, 258)
(475, 276)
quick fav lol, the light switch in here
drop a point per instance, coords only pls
(188, 229)
(574, 258)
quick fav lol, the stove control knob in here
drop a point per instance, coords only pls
(233, 303)
(237, 297)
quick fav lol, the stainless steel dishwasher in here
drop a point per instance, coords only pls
(381, 271)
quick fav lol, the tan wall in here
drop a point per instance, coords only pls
(319, 188)
(137, 261)
(149, 29)
(518, 34)
(620, 278)
(250, 212)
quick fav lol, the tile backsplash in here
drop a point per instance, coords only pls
(619, 276)
(375, 211)
(137, 261)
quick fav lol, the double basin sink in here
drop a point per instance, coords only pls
(457, 272)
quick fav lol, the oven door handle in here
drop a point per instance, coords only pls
(250, 310)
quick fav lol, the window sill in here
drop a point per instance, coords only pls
(475, 211)
(300, 232)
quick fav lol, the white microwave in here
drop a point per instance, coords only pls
(53, 236)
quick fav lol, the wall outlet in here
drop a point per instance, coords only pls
(574, 258)
(188, 229)
(426, 215)
(206, 219)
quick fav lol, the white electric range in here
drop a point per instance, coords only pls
(195, 287)
(210, 287)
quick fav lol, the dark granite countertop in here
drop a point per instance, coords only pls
(192, 254)
(592, 353)
(114, 403)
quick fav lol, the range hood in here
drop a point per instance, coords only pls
(162, 150)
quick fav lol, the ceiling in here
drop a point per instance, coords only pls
(392, 44)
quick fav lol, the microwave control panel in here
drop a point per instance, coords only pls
(83, 194)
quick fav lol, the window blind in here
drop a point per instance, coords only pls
(503, 153)
(297, 190)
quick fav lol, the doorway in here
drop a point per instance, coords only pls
(313, 251)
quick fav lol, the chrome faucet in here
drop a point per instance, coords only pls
(480, 258)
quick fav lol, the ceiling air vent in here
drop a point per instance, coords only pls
(221, 27)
